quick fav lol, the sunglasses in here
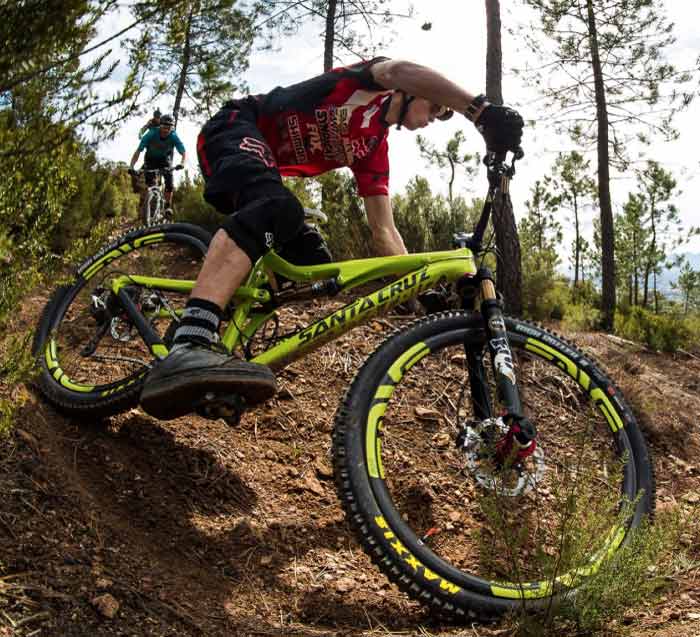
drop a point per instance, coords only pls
(440, 112)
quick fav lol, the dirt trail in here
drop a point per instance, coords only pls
(192, 527)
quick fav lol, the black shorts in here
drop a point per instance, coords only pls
(233, 155)
(151, 163)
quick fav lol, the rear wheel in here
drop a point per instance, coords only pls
(438, 512)
(92, 359)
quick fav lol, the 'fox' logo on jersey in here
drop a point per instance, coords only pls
(261, 149)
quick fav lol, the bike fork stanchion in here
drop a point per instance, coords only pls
(521, 434)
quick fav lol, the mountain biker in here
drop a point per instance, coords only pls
(159, 144)
(340, 118)
(154, 122)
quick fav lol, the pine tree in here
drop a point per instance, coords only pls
(575, 189)
(509, 269)
(607, 76)
(196, 51)
(451, 158)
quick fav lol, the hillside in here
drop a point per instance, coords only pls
(191, 527)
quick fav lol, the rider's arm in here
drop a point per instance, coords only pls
(386, 238)
(422, 81)
(142, 144)
(135, 157)
(180, 147)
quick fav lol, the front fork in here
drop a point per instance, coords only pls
(519, 440)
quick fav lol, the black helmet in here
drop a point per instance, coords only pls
(167, 120)
(156, 113)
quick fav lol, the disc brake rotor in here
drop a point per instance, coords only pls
(478, 442)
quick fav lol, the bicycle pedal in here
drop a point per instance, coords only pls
(229, 408)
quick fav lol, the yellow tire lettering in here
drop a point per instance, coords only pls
(374, 425)
(449, 587)
(413, 562)
(399, 548)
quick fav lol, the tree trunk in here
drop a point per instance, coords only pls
(508, 268)
(494, 58)
(635, 267)
(631, 289)
(509, 272)
(652, 257)
(577, 256)
(329, 36)
(647, 272)
(328, 41)
(186, 55)
(607, 234)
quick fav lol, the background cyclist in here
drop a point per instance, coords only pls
(154, 122)
(159, 144)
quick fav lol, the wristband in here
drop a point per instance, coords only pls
(475, 106)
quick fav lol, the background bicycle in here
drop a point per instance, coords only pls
(155, 208)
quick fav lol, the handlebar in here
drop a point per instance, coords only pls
(497, 167)
(167, 169)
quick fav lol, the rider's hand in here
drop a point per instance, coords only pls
(501, 127)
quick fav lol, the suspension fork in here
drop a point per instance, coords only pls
(522, 433)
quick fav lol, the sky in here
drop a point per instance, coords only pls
(456, 46)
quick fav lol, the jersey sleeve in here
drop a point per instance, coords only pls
(145, 140)
(178, 143)
(372, 172)
(362, 73)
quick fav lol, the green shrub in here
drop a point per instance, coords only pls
(190, 207)
(580, 317)
(519, 544)
(662, 332)
(545, 296)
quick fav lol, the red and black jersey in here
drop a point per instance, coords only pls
(332, 120)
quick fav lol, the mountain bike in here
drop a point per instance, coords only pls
(153, 210)
(483, 462)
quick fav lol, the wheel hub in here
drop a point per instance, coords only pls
(482, 442)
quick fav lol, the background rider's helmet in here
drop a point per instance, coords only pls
(167, 120)
(156, 114)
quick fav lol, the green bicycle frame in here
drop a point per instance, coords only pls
(414, 273)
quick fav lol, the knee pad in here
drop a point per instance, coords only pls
(269, 216)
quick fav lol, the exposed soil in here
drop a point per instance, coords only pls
(192, 527)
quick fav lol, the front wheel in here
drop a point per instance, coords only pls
(433, 506)
(150, 213)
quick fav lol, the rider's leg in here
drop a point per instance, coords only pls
(194, 369)
(168, 194)
(243, 182)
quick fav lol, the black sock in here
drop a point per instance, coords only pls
(199, 323)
